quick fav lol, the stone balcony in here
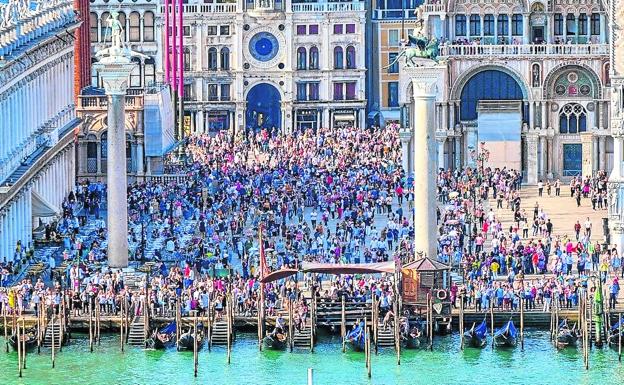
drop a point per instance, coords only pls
(100, 102)
(526, 50)
(205, 9)
(353, 6)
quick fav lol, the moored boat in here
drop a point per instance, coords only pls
(413, 334)
(187, 340)
(614, 339)
(567, 336)
(356, 338)
(507, 335)
(476, 336)
(30, 339)
(163, 338)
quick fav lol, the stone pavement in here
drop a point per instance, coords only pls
(561, 210)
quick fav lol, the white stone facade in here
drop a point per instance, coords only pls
(554, 54)
(36, 126)
(221, 69)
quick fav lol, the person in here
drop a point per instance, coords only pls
(557, 187)
(614, 290)
(540, 188)
(588, 228)
(577, 230)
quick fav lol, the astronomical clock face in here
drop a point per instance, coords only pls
(264, 47)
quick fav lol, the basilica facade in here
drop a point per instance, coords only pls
(528, 78)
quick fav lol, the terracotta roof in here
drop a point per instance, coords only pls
(426, 264)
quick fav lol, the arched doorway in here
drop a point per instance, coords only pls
(263, 107)
(492, 101)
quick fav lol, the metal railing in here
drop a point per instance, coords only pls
(328, 7)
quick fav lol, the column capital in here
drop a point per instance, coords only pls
(115, 76)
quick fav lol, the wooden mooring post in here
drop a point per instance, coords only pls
(290, 325)
(521, 323)
(397, 334)
(343, 325)
(6, 338)
(620, 338)
(195, 355)
(23, 342)
(430, 325)
(52, 338)
(230, 327)
(368, 349)
(90, 327)
(19, 352)
(461, 322)
(375, 322)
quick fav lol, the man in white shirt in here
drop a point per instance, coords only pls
(588, 228)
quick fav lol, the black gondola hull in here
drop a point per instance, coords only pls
(271, 343)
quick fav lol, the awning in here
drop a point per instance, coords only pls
(348, 268)
(41, 207)
(279, 274)
(391, 114)
(344, 117)
(426, 264)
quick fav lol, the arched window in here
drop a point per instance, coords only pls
(187, 59)
(582, 24)
(150, 72)
(516, 25)
(571, 24)
(314, 58)
(460, 25)
(488, 25)
(225, 58)
(122, 20)
(351, 57)
(487, 85)
(338, 58)
(91, 154)
(302, 59)
(572, 119)
(93, 27)
(503, 25)
(212, 59)
(135, 75)
(148, 26)
(105, 31)
(475, 25)
(103, 150)
(135, 27)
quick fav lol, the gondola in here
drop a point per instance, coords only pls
(566, 336)
(476, 337)
(274, 341)
(507, 335)
(187, 340)
(413, 335)
(442, 326)
(29, 338)
(163, 338)
(613, 338)
(356, 338)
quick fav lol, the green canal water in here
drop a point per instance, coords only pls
(539, 363)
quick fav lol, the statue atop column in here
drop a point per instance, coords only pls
(118, 51)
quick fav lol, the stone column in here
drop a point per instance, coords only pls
(471, 147)
(457, 152)
(531, 138)
(425, 164)
(140, 155)
(115, 77)
(550, 154)
(595, 153)
(542, 156)
(602, 149)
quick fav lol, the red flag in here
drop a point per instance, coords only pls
(264, 269)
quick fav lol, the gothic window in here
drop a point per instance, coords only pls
(582, 24)
(338, 58)
(148, 26)
(212, 59)
(595, 24)
(516, 25)
(225, 58)
(488, 25)
(572, 119)
(475, 25)
(135, 27)
(570, 24)
(460, 25)
(93, 27)
(314, 58)
(558, 24)
(503, 25)
(351, 57)
(301, 58)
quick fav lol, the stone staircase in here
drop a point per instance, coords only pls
(136, 335)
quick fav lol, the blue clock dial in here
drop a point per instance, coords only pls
(263, 46)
